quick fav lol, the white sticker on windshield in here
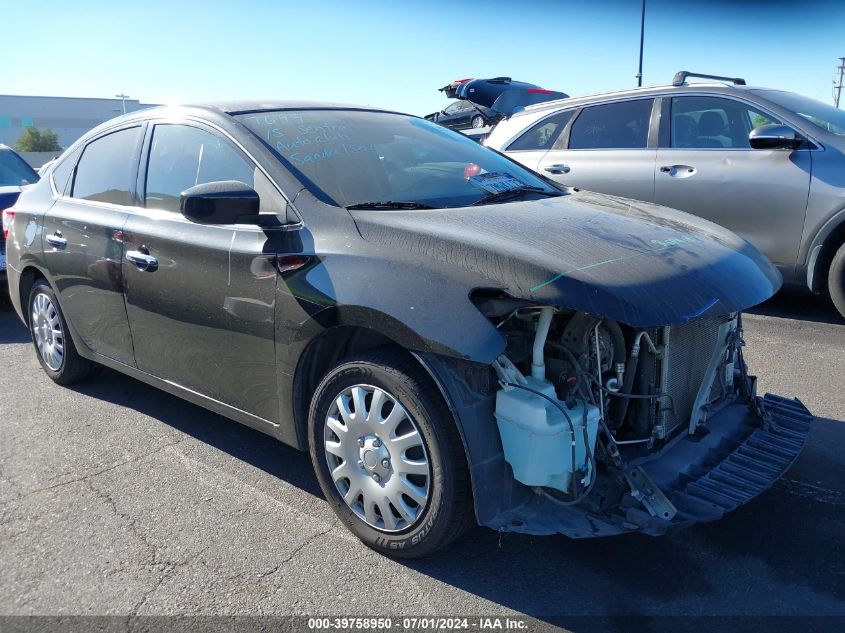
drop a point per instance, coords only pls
(497, 182)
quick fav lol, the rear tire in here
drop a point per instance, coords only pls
(375, 450)
(477, 121)
(836, 280)
(50, 334)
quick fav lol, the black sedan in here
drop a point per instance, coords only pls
(465, 115)
(453, 338)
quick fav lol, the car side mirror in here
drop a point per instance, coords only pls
(774, 136)
(221, 202)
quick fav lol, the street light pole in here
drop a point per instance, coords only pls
(124, 97)
(642, 35)
(837, 88)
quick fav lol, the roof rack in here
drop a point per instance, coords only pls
(681, 77)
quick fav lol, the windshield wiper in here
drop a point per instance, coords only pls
(514, 193)
(389, 204)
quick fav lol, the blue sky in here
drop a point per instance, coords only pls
(396, 54)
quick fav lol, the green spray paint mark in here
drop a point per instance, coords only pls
(663, 245)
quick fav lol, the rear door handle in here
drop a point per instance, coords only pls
(142, 259)
(557, 169)
(56, 240)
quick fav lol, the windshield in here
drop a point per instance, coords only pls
(820, 114)
(14, 171)
(356, 157)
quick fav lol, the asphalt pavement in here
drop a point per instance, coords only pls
(116, 498)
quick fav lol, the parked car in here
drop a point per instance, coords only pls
(767, 164)
(464, 115)
(485, 102)
(454, 338)
(15, 173)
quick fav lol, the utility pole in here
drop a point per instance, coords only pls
(123, 99)
(642, 34)
(837, 88)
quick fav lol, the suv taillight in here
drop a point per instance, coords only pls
(8, 216)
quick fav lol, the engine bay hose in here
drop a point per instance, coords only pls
(627, 386)
(538, 363)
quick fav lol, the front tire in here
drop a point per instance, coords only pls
(50, 335)
(836, 280)
(388, 456)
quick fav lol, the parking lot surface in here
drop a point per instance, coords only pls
(119, 499)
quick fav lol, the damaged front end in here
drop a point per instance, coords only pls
(596, 374)
(606, 428)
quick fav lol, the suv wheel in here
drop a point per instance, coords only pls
(53, 344)
(388, 456)
(836, 280)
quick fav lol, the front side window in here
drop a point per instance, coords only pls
(182, 156)
(15, 171)
(105, 172)
(822, 115)
(713, 122)
(354, 157)
(542, 135)
(453, 108)
(622, 125)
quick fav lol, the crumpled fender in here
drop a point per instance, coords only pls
(416, 307)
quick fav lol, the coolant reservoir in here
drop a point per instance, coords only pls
(538, 439)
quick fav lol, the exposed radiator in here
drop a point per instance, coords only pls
(689, 349)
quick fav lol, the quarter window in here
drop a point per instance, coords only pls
(182, 156)
(543, 134)
(712, 122)
(106, 170)
(62, 172)
(622, 125)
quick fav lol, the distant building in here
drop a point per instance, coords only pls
(69, 117)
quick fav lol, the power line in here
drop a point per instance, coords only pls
(837, 88)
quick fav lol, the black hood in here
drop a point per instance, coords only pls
(637, 263)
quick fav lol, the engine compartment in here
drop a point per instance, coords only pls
(582, 399)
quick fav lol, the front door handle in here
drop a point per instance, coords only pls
(557, 169)
(678, 171)
(142, 259)
(56, 240)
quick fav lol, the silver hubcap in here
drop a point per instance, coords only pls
(377, 458)
(47, 329)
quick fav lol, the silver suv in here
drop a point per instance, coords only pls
(767, 164)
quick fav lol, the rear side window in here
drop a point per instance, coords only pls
(713, 122)
(622, 125)
(182, 156)
(105, 172)
(542, 135)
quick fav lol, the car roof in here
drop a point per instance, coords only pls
(236, 107)
(648, 91)
(258, 105)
